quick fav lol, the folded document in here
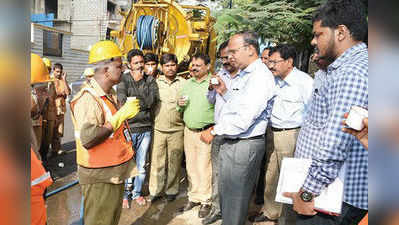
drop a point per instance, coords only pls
(292, 176)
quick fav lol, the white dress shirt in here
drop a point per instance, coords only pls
(291, 100)
(244, 113)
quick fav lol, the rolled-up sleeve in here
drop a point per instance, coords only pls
(88, 116)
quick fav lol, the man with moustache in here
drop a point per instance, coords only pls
(339, 27)
(265, 55)
(167, 151)
(227, 74)
(260, 184)
(104, 151)
(198, 116)
(136, 83)
(292, 95)
(243, 121)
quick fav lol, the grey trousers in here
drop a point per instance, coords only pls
(215, 170)
(239, 162)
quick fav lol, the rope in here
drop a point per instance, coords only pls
(146, 31)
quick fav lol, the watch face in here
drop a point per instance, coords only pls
(306, 196)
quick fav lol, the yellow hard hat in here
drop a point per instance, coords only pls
(39, 72)
(88, 72)
(103, 50)
(47, 62)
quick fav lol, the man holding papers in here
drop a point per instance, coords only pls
(339, 28)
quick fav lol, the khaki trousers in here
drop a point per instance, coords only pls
(38, 134)
(102, 203)
(198, 166)
(278, 145)
(166, 158)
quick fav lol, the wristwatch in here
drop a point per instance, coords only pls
(213, 132)
(306, 196)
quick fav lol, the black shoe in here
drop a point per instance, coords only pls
(212, 217)
(154, 198)
(204, 210)
(170, 198)
(260, 218)
(189, 206)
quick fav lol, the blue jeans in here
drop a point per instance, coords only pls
(141, 144)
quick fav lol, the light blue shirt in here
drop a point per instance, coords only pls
(291, 100)
(244, 113)
(215, 98)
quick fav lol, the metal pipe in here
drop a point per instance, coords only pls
(61, 189)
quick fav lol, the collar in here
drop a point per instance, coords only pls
(252, 67)
(98, 90)
(224, 73)
(290, 79)
(192, 79)
(347, 55)
(165, 80)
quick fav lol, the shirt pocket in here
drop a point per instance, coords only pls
(318, 114)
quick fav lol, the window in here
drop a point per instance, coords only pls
(52, 43)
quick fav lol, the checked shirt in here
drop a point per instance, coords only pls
(321, 138)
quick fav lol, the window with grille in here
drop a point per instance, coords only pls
(52, 43)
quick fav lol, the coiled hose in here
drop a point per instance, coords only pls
(146, 32)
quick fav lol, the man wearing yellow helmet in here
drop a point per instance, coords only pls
(103, 141)
(39, 80)
(47, 62)
(39, 178)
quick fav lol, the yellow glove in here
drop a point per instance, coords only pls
(127, 111)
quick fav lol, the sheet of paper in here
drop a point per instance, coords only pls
(292, 176)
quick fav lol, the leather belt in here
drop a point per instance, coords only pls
(250, 138)
(283, 129)
(201, 129)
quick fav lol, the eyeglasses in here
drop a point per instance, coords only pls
(224, 58)
(234, 51)
(273, 63)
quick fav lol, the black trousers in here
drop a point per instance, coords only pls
(239, 163)
(350, 216)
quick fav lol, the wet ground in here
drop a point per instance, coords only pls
(63, 208)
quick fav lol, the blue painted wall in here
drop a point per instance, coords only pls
(43, 19)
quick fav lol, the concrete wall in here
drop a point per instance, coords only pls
(88, 22)
(73, 60)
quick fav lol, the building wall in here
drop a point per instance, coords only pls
(89, 20)
(73, 60)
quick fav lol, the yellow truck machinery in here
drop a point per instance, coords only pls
(165, 26)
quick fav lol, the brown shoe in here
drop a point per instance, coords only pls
(204, 210)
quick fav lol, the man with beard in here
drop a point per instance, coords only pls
(339, 27)
(135, 83)
(227, 74)
(242, 122)
(293, 92)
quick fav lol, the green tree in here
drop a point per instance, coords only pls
(278, 21)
